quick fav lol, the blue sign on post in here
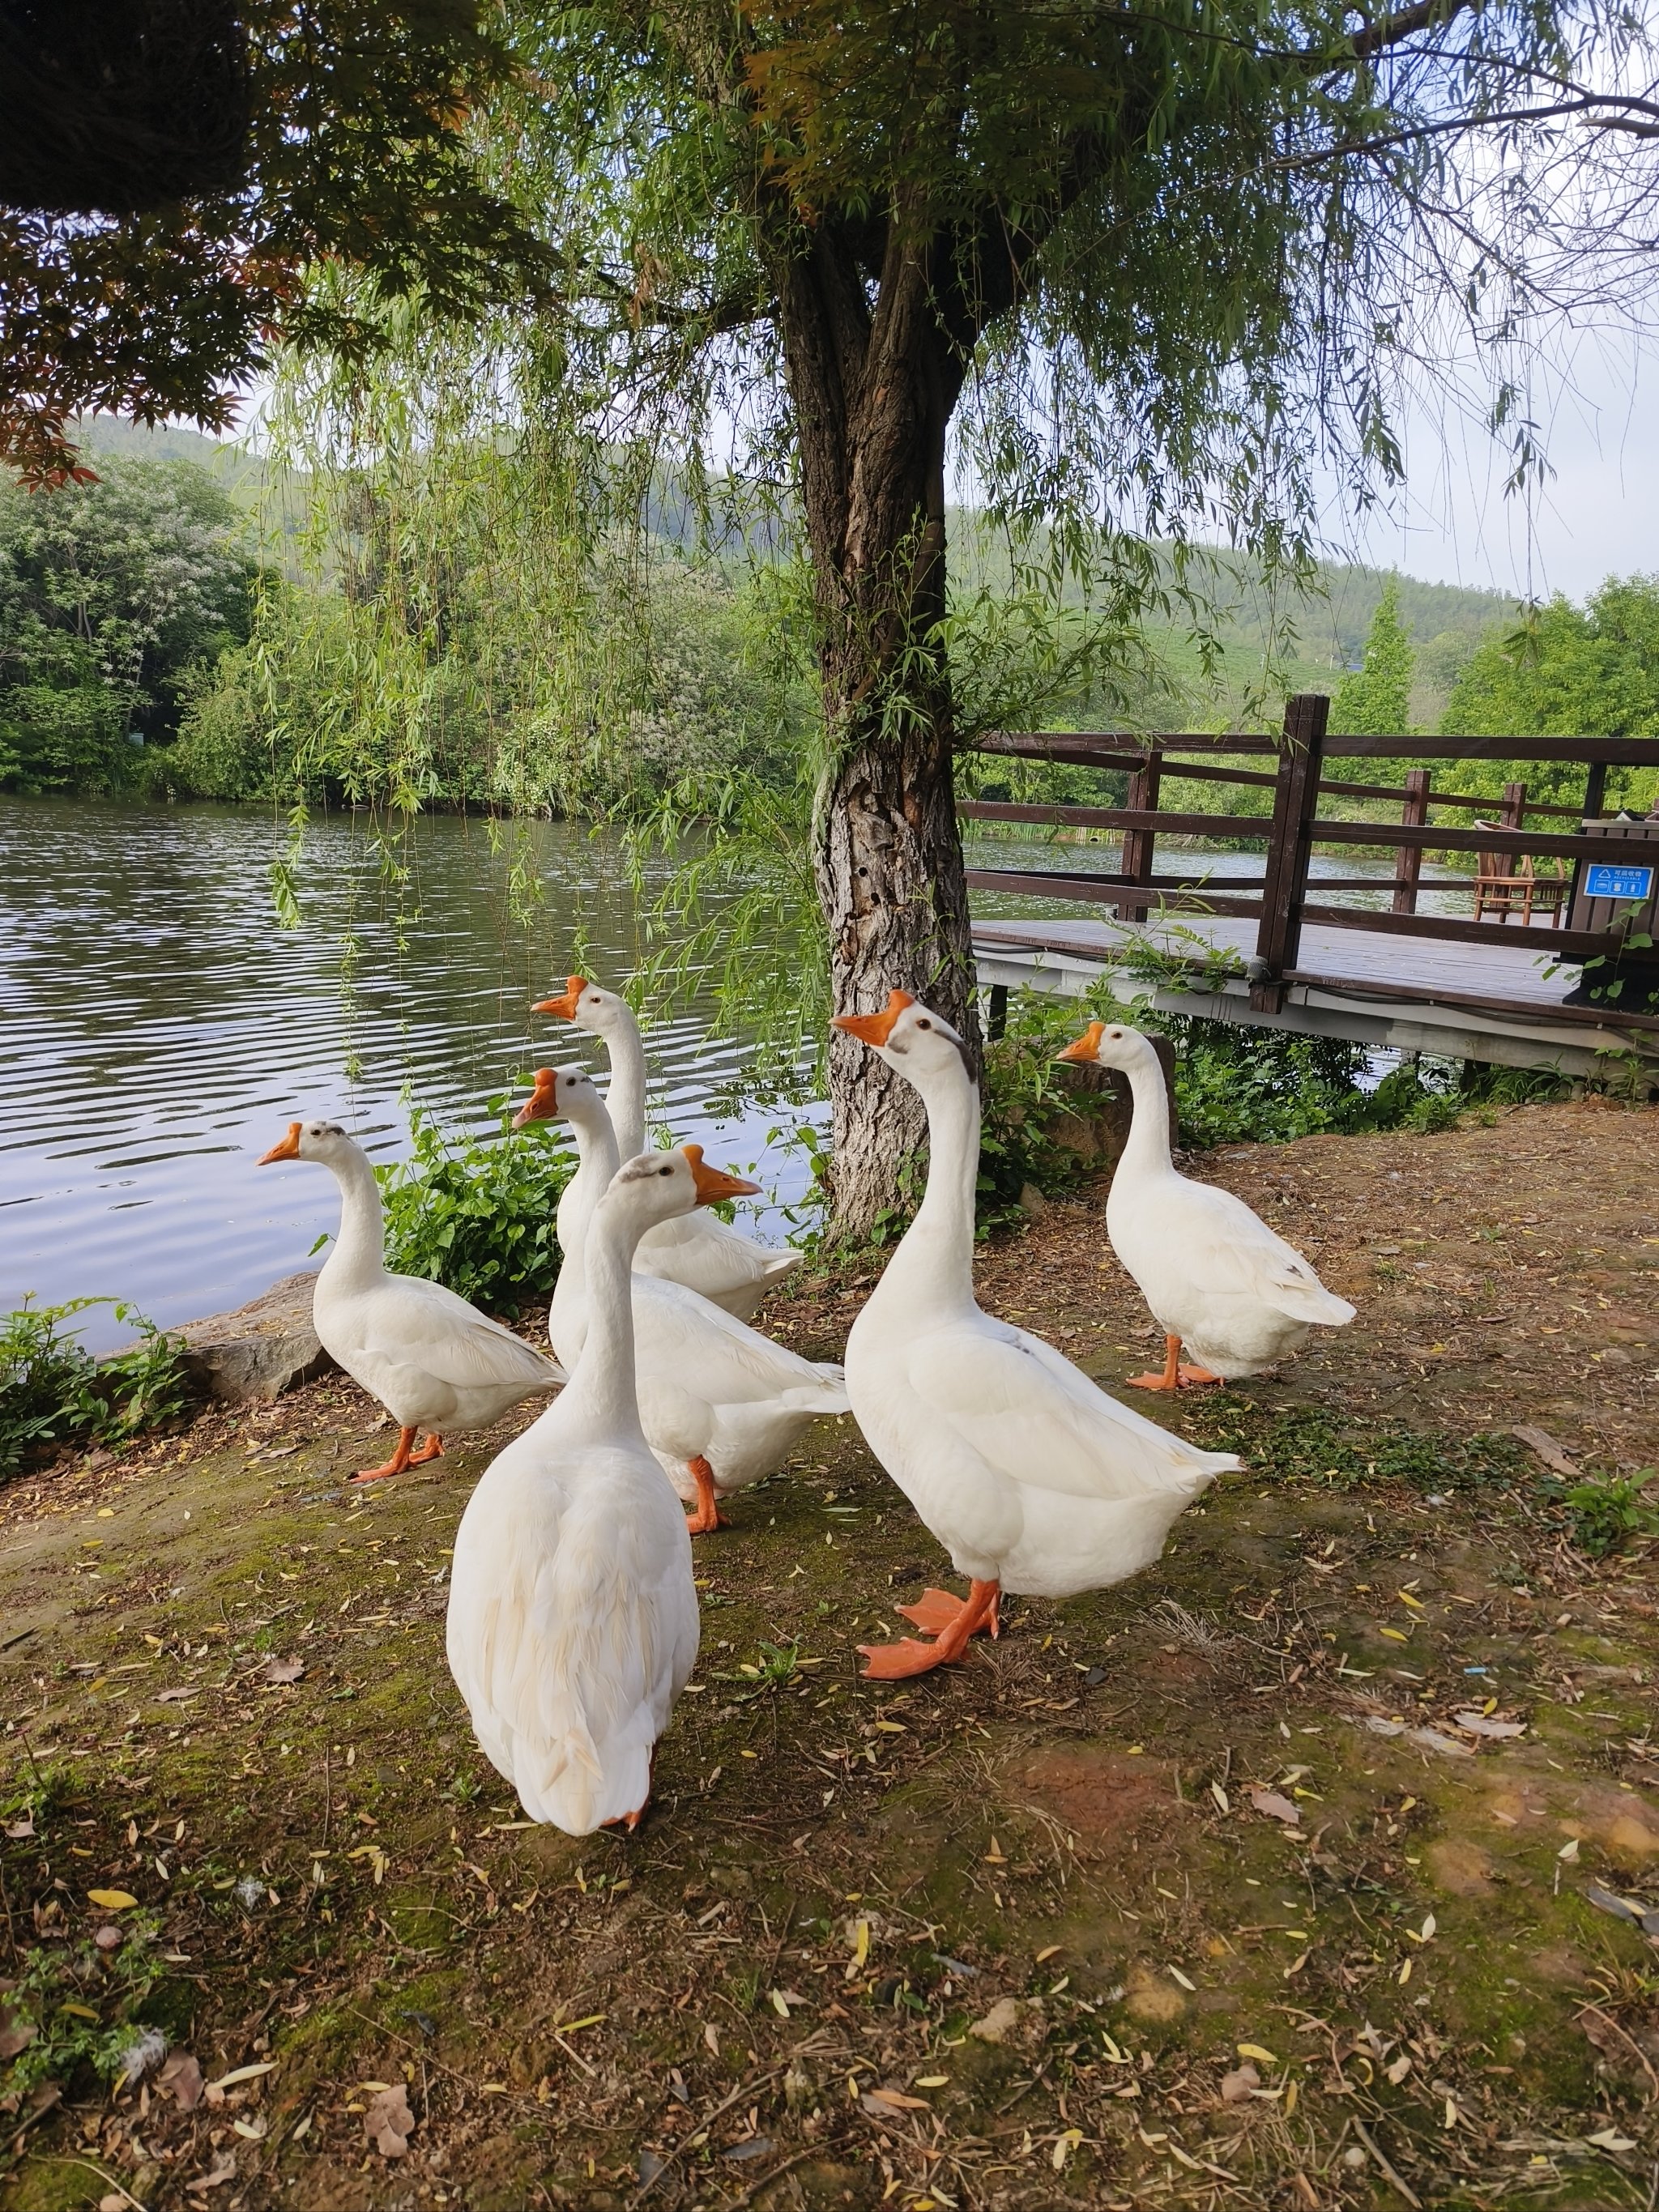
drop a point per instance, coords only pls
(1603, 879)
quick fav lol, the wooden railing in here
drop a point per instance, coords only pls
(1280, 897)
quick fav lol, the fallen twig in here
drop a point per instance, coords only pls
(1386, 2170)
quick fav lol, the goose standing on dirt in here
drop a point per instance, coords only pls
(434, 1362)
(721, 1406)
(1216, 1277)
(1030, 1477)
(702, 1251)
(572, 1616)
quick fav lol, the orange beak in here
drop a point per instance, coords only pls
(713, 1184)
(542, 1105)
(565, 1005)
(875, 1028)
(1084, 1049)
(288, 1150)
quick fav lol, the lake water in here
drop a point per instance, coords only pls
(160, 1028)
(160, 1031)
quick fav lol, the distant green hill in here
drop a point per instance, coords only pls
(1317, 634)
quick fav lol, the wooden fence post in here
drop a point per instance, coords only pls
(1138, 844)
(1409, 859)
(1513, 812)
(1296, 803)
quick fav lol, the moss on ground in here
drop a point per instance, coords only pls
(1206, 1890)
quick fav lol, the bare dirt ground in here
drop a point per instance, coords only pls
(1305, 1871)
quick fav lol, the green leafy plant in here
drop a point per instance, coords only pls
(53, 1390)
(477, 1215)
(1602, 1512)
(79, 2006)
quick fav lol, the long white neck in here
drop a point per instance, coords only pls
(935, 1262)
(596, 1161)
(601, 1395)
(359, 1254)
(625, 1100)
(1146, 1152)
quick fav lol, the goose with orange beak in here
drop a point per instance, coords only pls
(1031, 1478)
(572, 1616)
(721, 1406)
(700, 1250)
(1217, 1278)
(434, 1362)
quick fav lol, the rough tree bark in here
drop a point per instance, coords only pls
(873, 386)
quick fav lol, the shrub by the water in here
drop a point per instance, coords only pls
(52, 1391)
(477, 1215)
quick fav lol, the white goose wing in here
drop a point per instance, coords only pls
(1236, 1254)
(709, 1256)
(415, 1323)
(722, 1360)
(1039, 1421)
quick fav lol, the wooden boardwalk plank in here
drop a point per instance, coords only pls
(1495, 987)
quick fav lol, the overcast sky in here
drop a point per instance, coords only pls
(1598, 514)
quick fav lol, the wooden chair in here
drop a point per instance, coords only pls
(1504, 884)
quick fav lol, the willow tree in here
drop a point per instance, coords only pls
(1125, 272)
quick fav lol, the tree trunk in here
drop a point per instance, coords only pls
(874, 390)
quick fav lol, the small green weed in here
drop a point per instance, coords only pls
(478, 1216)
(1603, 1512)
(75, 2005)
(53, 1391)
(774, 1666)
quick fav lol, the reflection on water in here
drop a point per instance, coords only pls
(160, 1030)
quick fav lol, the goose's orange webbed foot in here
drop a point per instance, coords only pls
(1188, 1377)
(897, 1662)
(402, 1458)
(1170, 1379)
(432, 1449)
(936, 1610)
(707, 1516)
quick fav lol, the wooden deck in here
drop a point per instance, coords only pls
(1284, 949)
(1468, 1001)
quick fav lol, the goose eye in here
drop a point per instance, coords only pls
(924, 1026)
(665, 1170)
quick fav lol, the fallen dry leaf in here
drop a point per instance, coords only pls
(112, 1900)
(19, 1830)
(388, 2124)
(1000, 2023)
(882, 2101)
(1541, 1442)
(16, 2033)
(282, 1670)
(181, 2077)
(224, 2171)
(1275, 1807)
(1479, 1724)
(1237, 2085)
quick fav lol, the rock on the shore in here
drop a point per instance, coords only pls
(263, 1348)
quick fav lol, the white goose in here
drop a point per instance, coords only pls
(572, 1616)
(702, 1252)
(434, 1362)
(1215, 1276)
(1030, 1477)
(721, 1406)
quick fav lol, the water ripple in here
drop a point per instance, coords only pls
(158, 1030)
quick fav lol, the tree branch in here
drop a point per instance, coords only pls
(1427, 15)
